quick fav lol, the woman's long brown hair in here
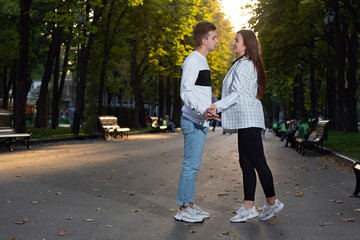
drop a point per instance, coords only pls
(253, 51)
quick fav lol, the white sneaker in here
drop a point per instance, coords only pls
(200, 212)
(269, 211)
(244, 214)
(188, 215)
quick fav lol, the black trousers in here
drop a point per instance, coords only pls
(251, 158)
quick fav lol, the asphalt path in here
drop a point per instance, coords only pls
(126, 189)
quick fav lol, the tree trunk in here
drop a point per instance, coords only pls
(5, 87)
(340, 43)
(55, 93)
(13, 80)
(177, 102)
(301, 106)
(84, 60)
(295, 98)
(353, 84)
(168, 96)
(161, 96)
(106, 52)
(313, 93)
(21, 82)
(41, 116)
(139, 113)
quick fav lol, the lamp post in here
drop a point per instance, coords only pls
(329, 20)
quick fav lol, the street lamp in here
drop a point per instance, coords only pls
(329, 19)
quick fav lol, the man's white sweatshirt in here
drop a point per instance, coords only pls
(195, 90)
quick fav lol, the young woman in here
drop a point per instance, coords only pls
(242, 110)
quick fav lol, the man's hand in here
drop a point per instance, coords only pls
(210, 113)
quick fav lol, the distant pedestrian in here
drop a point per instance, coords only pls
(241, 109)
(170, 124)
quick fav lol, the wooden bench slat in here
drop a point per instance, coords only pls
(10, 134)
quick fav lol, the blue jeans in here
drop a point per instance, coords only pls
(194, 140)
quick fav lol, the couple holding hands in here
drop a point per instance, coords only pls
(241, 110)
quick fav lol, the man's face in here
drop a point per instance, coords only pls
(211, 41)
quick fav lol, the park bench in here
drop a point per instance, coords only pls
(356, 168)
(158, 127)
(9, 135)
(314, 140)
(111, 129)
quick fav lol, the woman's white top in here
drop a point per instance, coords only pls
(239, 106)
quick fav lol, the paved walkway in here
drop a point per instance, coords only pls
(126, 189)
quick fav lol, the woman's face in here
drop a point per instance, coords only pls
(238, 45)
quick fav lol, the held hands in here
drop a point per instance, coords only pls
(210, 113)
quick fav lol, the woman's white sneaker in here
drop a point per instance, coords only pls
(188, 215)
(200, 212)
(244, 214)
(269, 211)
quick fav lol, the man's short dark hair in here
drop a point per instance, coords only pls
(201, 30)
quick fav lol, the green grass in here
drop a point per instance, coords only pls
(41, 133)
(345, 143)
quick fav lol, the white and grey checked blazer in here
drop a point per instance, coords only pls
(239, 106)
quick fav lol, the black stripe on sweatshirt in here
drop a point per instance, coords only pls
(204, 78)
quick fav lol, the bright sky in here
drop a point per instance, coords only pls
(234, 11)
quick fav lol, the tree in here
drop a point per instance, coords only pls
(22, 79)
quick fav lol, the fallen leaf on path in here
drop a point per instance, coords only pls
(187, 224)
(239, 200)
(222, 194)
(98, 209)
(321, 224)
(225, 233)
(134, 210)
(89, 220)
(348, 220)
(26, 220)
(35, 202)
(277, 183)
(68, 218)
(299, 194)
(58, 193)
(20, 223)
(339, 201)
(108, 226)
(339, 214)
(132, 194)
(287, 181)
(172, 209)
(357, 210)
(96, 190)
(62, 233)
(8, 202)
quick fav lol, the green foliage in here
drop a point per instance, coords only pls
(291, 35)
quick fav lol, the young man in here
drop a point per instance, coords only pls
(196, 94)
